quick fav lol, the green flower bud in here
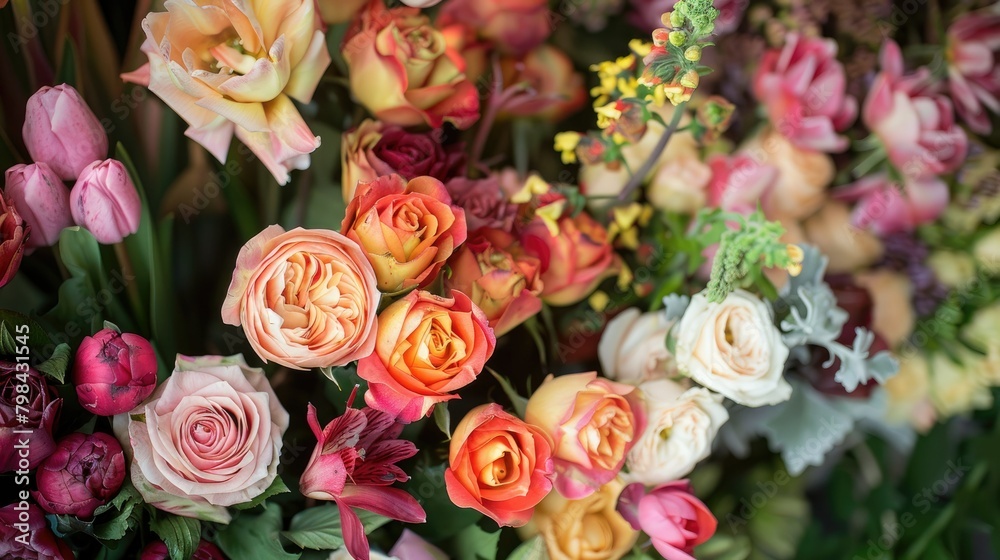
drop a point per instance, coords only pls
(676, 19)
(678, 38)
(693, 53)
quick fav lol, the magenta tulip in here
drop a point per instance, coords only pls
(114, 372)
(105, 201)
(42, 200)
(62, 131)
(84, 473)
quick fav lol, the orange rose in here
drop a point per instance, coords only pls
(306, 298)
(593, 424)
(428, 347)
(503, 281)
(558, 89)
(404, 72)
(498, 465)
(407, 229)
(575, 260)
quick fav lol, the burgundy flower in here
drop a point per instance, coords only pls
(114, 372)
(157, 550)
(13, 235)
(485, 202)
(354, 464)
(37, 417)
(84, 472)
(25, 535)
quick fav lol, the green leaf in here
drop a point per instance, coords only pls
(181, 534)
(319, 528)
(276, 487)
(38, 338)
(140, 248)
(531, 549)
(473, 543)
(55, 366)
(67, 69)
(442, 418)
(444, 519)
(255, 537)
(520, 403)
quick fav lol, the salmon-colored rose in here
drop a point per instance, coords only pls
(427, 348)
(590, 528)
(234, 68)
(575, 260)
(593, 423)
(557, 89)
(803, 176)
(512, 26)
(499, 277)
(404, 72)
(498, 465)
(306, 298)
(407, 229)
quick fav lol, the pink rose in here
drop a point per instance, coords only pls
(884, 207)
(513, 26)
(556, 89)
(739, 183)
(233, 69)
(208, 438)
(671, 515)
(803, 88)
(575, 259)
(306, 298)
(485, 202)
(916, 125)
(972, 53)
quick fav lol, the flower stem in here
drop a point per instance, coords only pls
(497, 99)
(131, 288)
(647, 166)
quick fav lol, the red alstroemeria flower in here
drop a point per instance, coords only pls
(354, 464)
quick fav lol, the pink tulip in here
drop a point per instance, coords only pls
(114, 372)
(84, 472)
(675, 520)
(973, 47)
(803, 88)
(42, 199)
(916, 125)
(885, 207)
(105, 201)
(61, 130)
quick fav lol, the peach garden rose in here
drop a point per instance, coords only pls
(406, 229)
(498, 465)
(305, 298)
(593, 424)
(208, 438)
(233, 68)
(427, 348)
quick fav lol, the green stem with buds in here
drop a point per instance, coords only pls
(637, 178)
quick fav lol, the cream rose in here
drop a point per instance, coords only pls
(209, 437)
(680, 427)
(734, 349)
(633, 348)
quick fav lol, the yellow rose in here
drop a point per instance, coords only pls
(892, 314)
(953, 269)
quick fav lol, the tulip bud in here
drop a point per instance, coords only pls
(60, 130)
(42, 199)
(104, 200)
(83, 473)
(13, 234)
(114, 372)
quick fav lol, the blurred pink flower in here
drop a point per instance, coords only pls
(803, 89)
(973, 76)
(884, 207)
(513, 26)
(916, 125)
(739, 183)
(646, 14)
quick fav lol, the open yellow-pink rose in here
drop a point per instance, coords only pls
(428, 347)
(407, 229)
(306, 298)
(234, 68)
(593, 423)
(404, 72)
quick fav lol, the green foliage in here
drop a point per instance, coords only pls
(744, 252)
(180, 534)
(474, 543)
(276, 487)
(255, 537)
(319, 528)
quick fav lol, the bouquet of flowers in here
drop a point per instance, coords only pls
(588, 279)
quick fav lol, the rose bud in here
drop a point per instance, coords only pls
(114, 372)
(38, 415)
(498, 465)
(104, 200)
(24, 533)
(157, 550)
(13, 235)
(593, 424)
(84, 472)
(42, 199)
(61, 130)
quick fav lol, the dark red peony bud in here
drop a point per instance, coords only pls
(114, 372)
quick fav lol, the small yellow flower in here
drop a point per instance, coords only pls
(566, 143)
(625, 277)
(796, 255)
(550, 214)
(640, 47)
(599, 301)
(532, 187)
(608, 114)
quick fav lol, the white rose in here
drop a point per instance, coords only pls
(633, 347)
(734, 349)
(680, 427)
